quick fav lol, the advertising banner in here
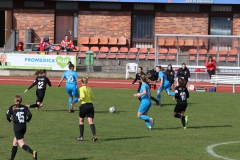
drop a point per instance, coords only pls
(35, 61)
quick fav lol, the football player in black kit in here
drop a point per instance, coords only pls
(41, 81)
(138, 77)
(181, 95)
(19, 114)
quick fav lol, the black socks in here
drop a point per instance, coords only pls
(28, 149)
(81, 129)
(92, 126)
(14, 152)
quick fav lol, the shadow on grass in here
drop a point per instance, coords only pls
(193, 127)
(84, 158)
(117, 112)
(197, 127)
(55, 110)
(123, 138)
(170, 104)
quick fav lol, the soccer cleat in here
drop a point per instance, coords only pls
(158, 103)
(70, 111)
(186, 119)
(152, 121)
(35, 155)
(184, 127)
(80, 139)
(149, 128)
(94, 138)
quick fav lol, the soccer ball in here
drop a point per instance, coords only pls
(112, 109)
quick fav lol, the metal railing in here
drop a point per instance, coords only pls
(208, 42)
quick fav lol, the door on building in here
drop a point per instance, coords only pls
(2, 28)
(65, 26)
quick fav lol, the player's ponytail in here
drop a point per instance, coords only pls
(17, 101)
(181, 82)
(37, 72)
(70, 65)
(161, 68)
(145, 79)
(84, 81)
(41, 71)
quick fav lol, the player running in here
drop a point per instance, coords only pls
(145, 104)
(18, 113)
(138, 78)
(164, 84)
(181, 95)
(71, 86)
(41, 81)
(86, 109)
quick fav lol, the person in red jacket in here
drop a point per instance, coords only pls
(45, 44)
(67, 44)
(211, 66)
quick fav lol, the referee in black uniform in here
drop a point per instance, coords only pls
(19, 113)
(41, 82)
(181, 95)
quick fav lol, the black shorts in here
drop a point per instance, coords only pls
(86, 110)
(180, 106)
(19, 130)
(40, 95)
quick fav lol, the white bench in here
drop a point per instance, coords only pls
(222, 79)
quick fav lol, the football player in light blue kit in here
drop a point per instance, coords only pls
(164, 84)
(145, 102)
(71, 85)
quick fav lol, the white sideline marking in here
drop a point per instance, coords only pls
(210, 150)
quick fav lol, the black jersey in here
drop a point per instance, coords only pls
(21, 115)
(138, 77)
(181, 94)
(170, 74)
(183, 73)
(41, 82)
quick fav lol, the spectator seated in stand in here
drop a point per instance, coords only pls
(45, 44)
(67, 45)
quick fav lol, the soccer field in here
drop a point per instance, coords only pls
(214, 119)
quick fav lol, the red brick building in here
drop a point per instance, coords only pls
(138, 22)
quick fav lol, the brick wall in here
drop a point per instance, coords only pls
(236, 24)
(41, 21)
(181, 23)
(235, 29)
(100, 23)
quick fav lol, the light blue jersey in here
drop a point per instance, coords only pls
(71, 82)
(146, 96)
(162, 75)
(71, 78)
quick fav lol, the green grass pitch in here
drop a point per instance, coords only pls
(214, 118)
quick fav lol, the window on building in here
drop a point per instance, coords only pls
(182, 8)
(222, 8)
(67, 5)
(220, 25)
(36, 4)
(142, 30)
(6, 3)
(105, 6)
